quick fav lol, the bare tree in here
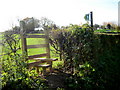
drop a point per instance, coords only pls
(46, 23)
(31, 24)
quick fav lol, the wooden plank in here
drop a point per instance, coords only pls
(46, 59)
(35, 36)
(36, 56)
(35, 63)
(36, 46)
(43, 65)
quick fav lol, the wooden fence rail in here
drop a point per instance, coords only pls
(35, 36)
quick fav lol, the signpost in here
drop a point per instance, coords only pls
(89, 17)
(119, 13)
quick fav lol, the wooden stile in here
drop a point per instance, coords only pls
(36, 57)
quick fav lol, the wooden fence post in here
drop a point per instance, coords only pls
(48, 47)
(23, 37)
(47, 43)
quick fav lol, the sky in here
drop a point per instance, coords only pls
(62, 12)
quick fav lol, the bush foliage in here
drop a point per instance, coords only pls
(92, 59)
(15, 74)
(75, 45)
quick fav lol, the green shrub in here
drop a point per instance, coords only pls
(93, 60)
(108, 62)
(118, 28)
(15, 74)
(74, 44)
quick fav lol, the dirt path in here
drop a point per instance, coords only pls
(56, 79)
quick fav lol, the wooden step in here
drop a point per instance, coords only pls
(46, 59)
(44, 66)
(32, 64)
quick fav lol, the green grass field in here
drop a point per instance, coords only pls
(106, 30)
(35, 41)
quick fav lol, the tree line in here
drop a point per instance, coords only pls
(33, 25)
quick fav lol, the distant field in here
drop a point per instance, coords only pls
(106, 30)
(35, 41)
(33, 51)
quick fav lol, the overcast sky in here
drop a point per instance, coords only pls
(62, 12)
